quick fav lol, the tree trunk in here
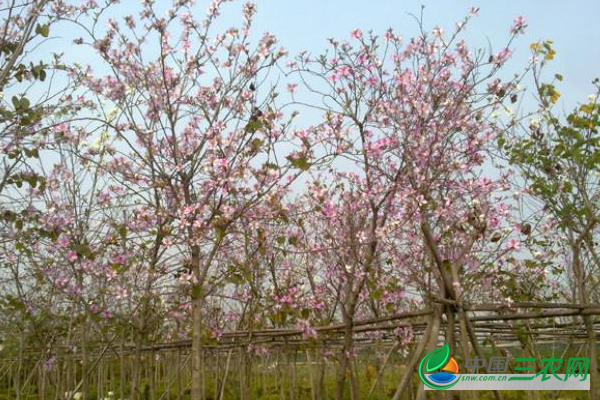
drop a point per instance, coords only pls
(197, 348)
(430, 335)
(137, 365)
(19, 369)
(587, 319)
(122, 368)
(321, 376)
(344, 365)
(85, 363)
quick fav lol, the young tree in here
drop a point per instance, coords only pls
(559, 161)
(35, 97)
(193, 117)
(414, 124)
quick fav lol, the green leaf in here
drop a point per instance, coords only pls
(9, 216)
(253, 126)
(256, 144)
(21, 104)
(32, 180)
(83, 250)
(269, 165)
(377, 294)
(300, 163)
(437, 358)
(220, 232)
(501, 142)
(43, 30)
(31, 153)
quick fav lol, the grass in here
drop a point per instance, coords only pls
(269, 381)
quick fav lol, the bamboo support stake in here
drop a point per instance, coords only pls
(222, 391)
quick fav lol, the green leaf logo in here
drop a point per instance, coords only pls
(437, 358)
(433, 361)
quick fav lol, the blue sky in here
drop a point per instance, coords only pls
(306, 25)
(572, 25)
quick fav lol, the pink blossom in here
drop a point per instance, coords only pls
(222, 162)
(389, 35)
(494, 223)
(286, 299)
(372, 81)
(345, 71)
(63, 241)
(317, 305)
(49, 364)
(71, 256)
(306, 328)
(216, 334)
(328, 210)
(120, 259)
(61, 128)
(356, 33)
(291, 87)
(519, 25)
(502, 56)
(513, 244)
(121, 293)
(103, 197)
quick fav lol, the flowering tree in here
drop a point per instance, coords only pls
(195, 127)
(35, 97)
(414, 124)
(156, 199)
